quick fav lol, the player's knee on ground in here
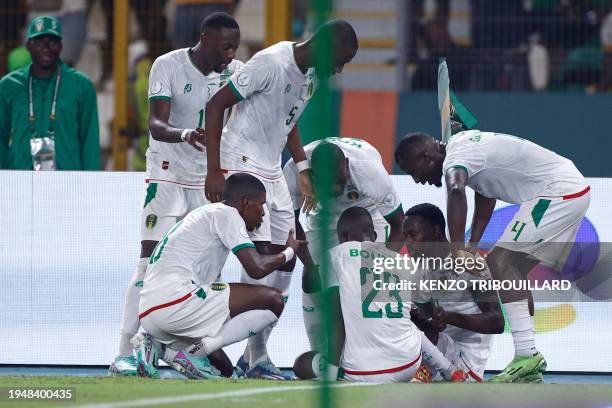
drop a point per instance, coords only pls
(302, 367)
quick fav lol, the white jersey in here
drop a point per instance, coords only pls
(275, 93)
(175, 78)
(369, 185)
(379, 335)
(194, 251)
(511, 169)
(475, 347)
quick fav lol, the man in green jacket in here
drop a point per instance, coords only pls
(48, 110)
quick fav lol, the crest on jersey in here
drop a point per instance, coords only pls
(156, 87)
(187, 88)
(352, 195)
(150, 221)
(218, 286)
(243, 79)
(389, 200)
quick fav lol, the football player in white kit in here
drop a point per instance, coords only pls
(372, 341)
(553, 197)
(360, 180)
(273, 89)
(183, 304)
(471, 318)
(180, 84)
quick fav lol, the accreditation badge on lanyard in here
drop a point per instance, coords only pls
(43, 148)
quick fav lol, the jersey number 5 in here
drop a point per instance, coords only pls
(291, 115)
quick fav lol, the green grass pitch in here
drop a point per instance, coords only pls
(132, 392)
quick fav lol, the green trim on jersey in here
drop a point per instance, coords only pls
(151, 193)
(392, 213)
(242, 246)
(538, 211)
(231, 84)
(160, 98)
(458, 166)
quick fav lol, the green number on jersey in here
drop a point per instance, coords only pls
(162, 244)
(518, 228)
(365, 305)
(201, 120)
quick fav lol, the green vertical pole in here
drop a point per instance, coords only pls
(322, 127)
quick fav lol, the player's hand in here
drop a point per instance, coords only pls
(307, 191)
(197, 139)
(471, 261)
(438, 319)
(214, 184)
(293, 243)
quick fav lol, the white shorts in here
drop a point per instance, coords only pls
(181, 321)
(279, 217)
(452, 351)
(314, 237)
(165, 205)
(393, 375)
(546, 227)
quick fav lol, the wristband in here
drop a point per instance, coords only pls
(184, 134)
(303, 165)
(289, 254)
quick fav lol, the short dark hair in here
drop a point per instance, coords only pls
(217, 21)
(340, 32)
(323, 152)
(429, 213)
(352, 217)
(410, 143)
(240, 185)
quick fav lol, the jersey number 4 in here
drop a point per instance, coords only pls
(388, 310)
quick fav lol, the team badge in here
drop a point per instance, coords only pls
(352, 195)
(156, 87)
(243, 79)
(187, 88)
(40, 24)
(389, 200)
(218, 286)
(151, 221)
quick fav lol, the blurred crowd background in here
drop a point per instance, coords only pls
(491, 45)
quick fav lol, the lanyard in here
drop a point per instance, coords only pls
(32, 118)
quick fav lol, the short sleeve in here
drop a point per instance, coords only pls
(160, 80)
(465, 153)
(254, 76)
(335, 268)
(231, 230)
(291, 178)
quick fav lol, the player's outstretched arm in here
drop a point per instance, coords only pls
(222, 100)
(259, 266)
(311, 280)
(161, 130)
(456, 180)
(294, 145)
(483, 210)
(490, 321)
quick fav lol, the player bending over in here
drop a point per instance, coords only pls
(470, 318)
(360, 180)
(183, 304)
(273, 89)
(553, 198)
(372, 342)
(180, 84)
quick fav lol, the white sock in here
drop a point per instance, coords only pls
(523, 328)
(433, 357)
(311, 312)
(257, 345)
(237, 329)
(131, 323)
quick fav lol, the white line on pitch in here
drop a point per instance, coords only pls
(204, 397)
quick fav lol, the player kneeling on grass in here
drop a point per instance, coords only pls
(468, 318)
(553, 198)
(372, 341)
(183, 305)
